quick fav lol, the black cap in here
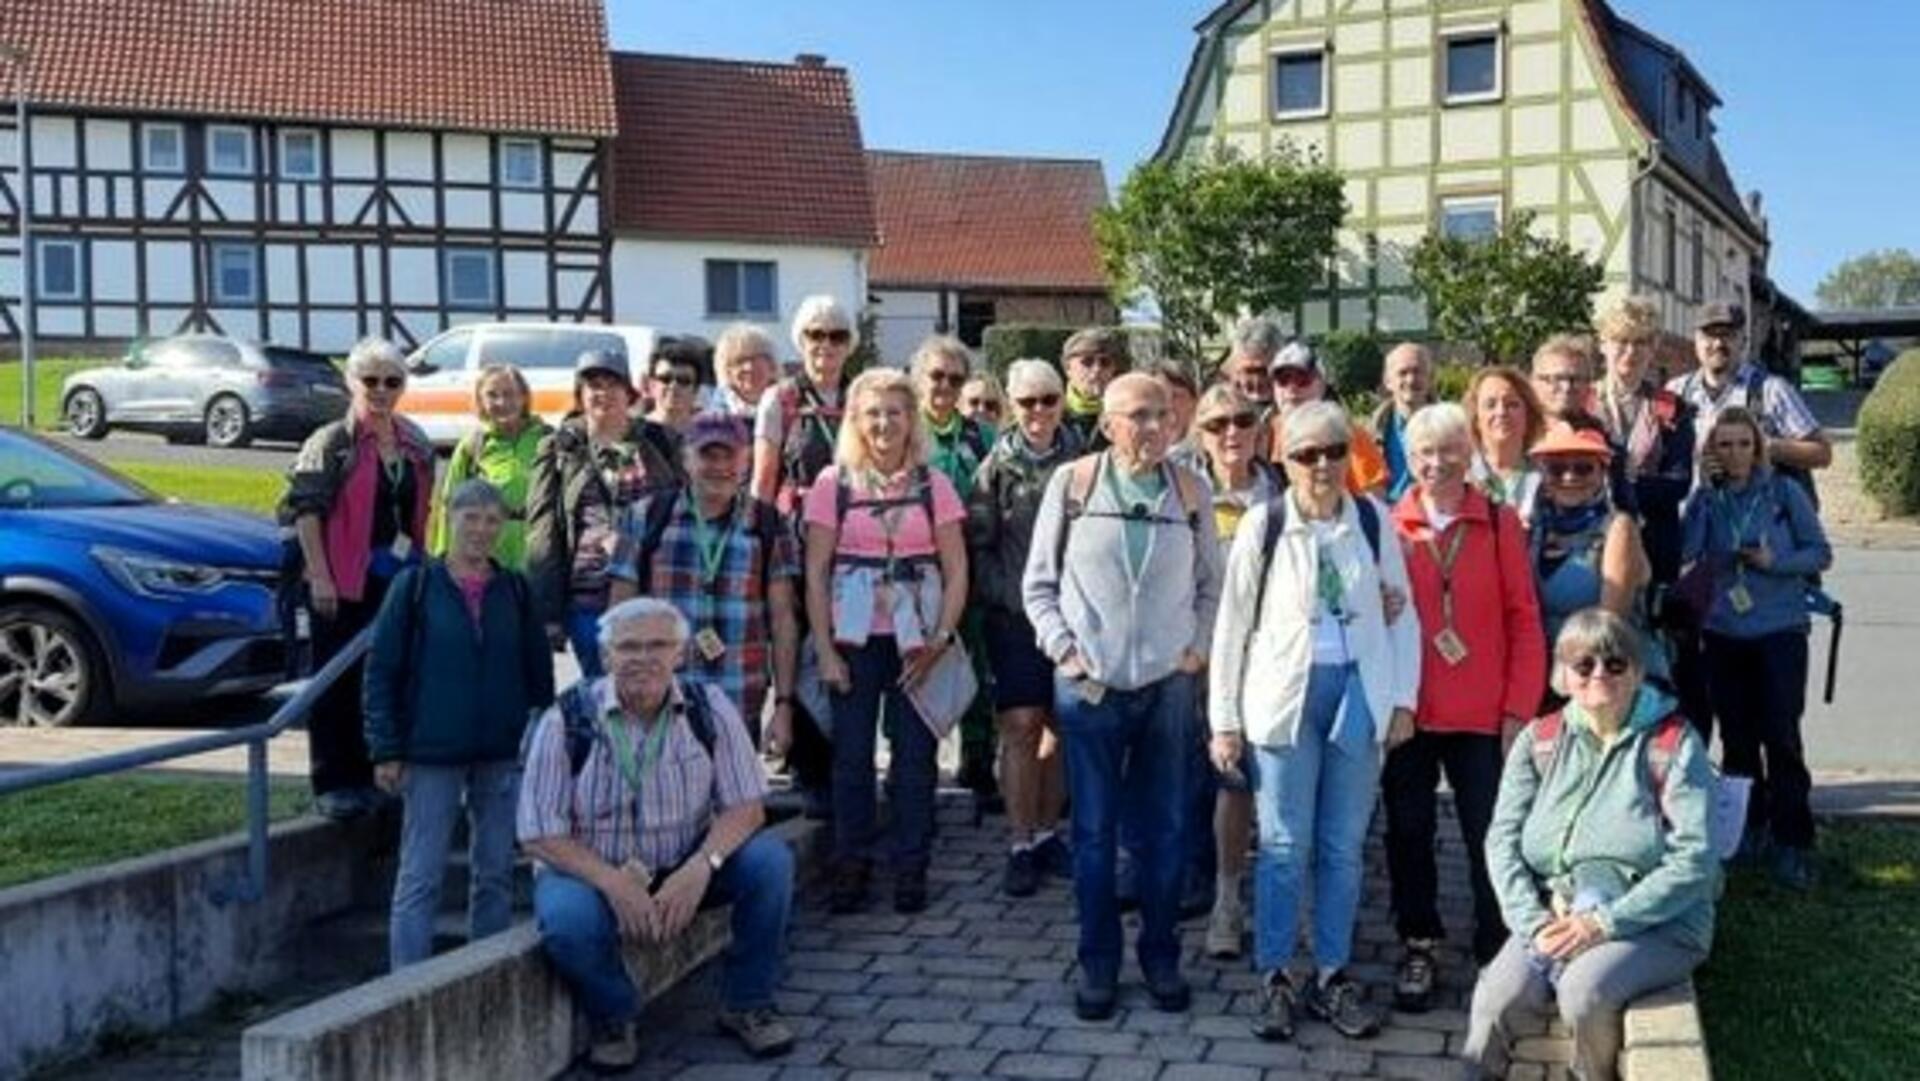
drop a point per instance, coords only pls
(599, 360)
(1721, 313)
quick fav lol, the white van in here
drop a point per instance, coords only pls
(442, 372)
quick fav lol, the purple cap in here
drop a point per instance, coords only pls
(714, 429)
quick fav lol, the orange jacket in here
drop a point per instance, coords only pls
(1496, 614)
(1366, 462)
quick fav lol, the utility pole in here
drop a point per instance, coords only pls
(20, 59)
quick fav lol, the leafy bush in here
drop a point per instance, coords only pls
(1450, 382)
(1353, 361)
(1003, 343)
(1890, 437)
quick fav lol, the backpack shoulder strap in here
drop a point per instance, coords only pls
(1369, 522)
(842, 498)
(1081, 474)
(768, 527)
(659, 513)
(699, 714)
(1546, 735)
(1270, 531)
(1661, 752)
(576, 713)
(1186, 490)
(476, 441)
(923, 489)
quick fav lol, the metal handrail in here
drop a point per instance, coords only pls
(253, 881)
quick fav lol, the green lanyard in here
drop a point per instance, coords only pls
(650, 748)
(1727, 503)
(713, 544)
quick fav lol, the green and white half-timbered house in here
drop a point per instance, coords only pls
(1452, 114)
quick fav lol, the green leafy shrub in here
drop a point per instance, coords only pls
(1003, 343)
(1890, 437)
(1353, 361)
(1450, 382)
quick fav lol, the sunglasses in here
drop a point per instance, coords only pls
(1579, 470)
(982, 405)
(1293, 377)
(1093, 360)
(956, 380)
(676, 379)
(1312, 456)
(1038, 401)
(389, 382)
(1585, 667)
(835, 337)
(1238, 421)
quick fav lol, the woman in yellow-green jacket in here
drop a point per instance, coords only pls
(501, 453)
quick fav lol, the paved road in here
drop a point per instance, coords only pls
(140, 447)
(1872, 723)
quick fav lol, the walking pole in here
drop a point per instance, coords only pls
(1833, 648)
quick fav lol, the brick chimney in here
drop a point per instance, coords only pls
(811, 60)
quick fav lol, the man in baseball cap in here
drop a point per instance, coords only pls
(1795, 444)
(1296, 381)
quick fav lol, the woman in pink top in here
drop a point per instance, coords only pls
(886, 585)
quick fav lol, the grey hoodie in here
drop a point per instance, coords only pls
(1129, 631)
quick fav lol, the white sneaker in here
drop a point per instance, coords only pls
(614, 1048)
(1226, 927)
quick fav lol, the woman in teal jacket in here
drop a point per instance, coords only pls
(458, 665)
(1599, 852)
(501, 453)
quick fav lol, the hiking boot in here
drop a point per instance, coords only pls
(1169, 992)
(1413, 981)
(761, 1032)
(1022, 877)
(1226, 928)
(1337, 1002)
(848, 892)
(910, 891)
(1054, 857)
(613, 1048)
(1792, 869)
(1094, 999)
(1274, 1023)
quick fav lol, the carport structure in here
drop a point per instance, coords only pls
(1855, 331)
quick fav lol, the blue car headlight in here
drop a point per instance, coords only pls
(152, 576)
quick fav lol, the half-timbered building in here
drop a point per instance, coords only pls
(307, 171)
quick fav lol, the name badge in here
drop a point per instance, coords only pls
(709, 644)
(1741, 600)
(402, 547)
(1450, 646)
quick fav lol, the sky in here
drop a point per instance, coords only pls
(1821, 105)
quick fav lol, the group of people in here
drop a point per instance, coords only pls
(1199, 618)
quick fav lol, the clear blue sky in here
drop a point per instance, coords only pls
(1822, 108)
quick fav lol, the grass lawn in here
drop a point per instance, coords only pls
(1827, 985)
(50, 831)
(48, 373)
(256, 490)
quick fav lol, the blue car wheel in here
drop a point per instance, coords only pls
(51, 673)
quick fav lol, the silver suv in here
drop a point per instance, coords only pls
(197, 387)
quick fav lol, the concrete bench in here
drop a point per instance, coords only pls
(494, 1008)
(1664, 1040)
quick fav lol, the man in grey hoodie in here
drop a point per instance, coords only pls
(1121, 585)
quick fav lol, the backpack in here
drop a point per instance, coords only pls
(805, 448)
(921, 496)
(1660, 752)
(768, 526)
(1280, 508)
(578, 715)
(1082, 473)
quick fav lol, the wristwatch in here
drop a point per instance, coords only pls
(715, 859)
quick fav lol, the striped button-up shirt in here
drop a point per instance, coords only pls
(679, 795)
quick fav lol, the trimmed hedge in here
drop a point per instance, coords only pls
(1003, 343)
(1353, 360)
(1889, 442)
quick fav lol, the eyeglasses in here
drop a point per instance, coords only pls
(956, 380)
(676, 379)
(1562, 379)
(1140, 418)
(1579, 469)
(1092, 360)
(641, 647)
(1238, 421)
(1293, 377)
(835, 336)
(1585, 667)
(981, 405)
(1038, 401)
(389, 382)
(1312, 456)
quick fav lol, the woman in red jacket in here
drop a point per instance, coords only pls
(1483, 666)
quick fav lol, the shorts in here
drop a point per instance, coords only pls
(1022, 675)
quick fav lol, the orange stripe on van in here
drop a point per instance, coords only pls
(437, 401)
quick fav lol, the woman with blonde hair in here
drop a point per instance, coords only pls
(1651, 425)
(1508, 419)
(886, 583)
(501, 452)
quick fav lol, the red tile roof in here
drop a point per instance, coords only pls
(534, 66)
(960, 221)
(739, 150)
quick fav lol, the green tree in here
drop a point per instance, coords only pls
(1207, 238)
(1505, 293)
(1878, 279)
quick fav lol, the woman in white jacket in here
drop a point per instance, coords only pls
(1310, 678)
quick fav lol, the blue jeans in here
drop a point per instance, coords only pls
(911, 772)
(583, 632)
(1313, 800)
(582, 937)
(1127, 757)
(432, 798)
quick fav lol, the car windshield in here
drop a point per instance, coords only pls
(35, 475)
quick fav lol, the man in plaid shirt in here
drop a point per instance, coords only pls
(727, 562)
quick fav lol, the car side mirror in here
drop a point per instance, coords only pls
(419, 366)
(136, 362)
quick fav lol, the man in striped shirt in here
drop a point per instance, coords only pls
(642, 804)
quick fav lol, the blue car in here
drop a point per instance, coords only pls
(114, 599)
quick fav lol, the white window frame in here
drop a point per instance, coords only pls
(40, 248)
(1451, 34)
(147, 162)
(1305, 48)
(1469, 202)
(214, 131)
(492, 258)
(215, 277)
(539, 173)
(286, 169)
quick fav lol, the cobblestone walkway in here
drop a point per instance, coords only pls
(980, 985)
